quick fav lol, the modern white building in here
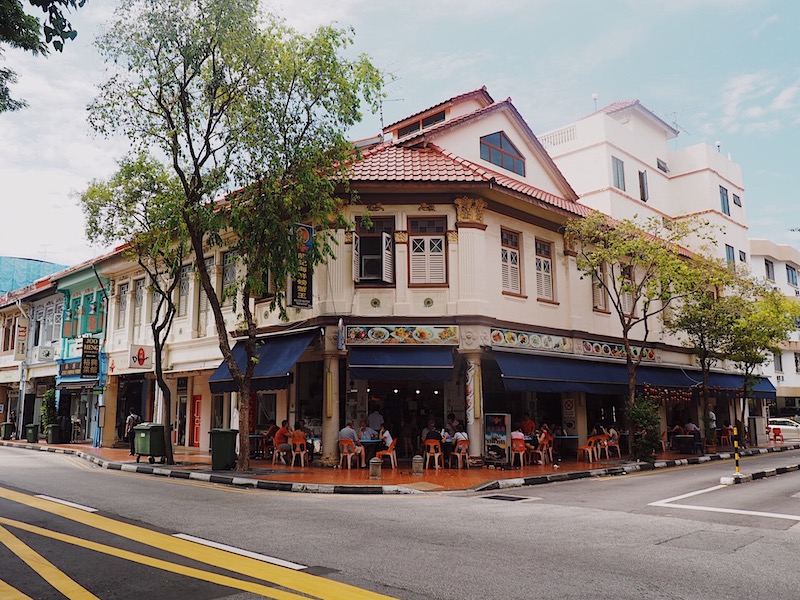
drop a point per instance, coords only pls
(779, 264)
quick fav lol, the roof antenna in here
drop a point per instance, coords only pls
(381, 107)
(594, 98)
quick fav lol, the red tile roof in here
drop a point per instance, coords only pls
(479, 93)
(391, 162)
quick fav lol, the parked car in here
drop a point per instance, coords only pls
(789, 428)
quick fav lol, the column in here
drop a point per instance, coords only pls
(471, 239)
(474, 404)
(330, 408)
(109, 431)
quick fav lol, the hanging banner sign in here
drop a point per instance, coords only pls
(141, 357)
(21, 342)
(90, 358)
(302, 288)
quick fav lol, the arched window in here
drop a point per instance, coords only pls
(498, 150)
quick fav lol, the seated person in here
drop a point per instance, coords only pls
(301, 425)
(516, 433)
(690, 427)
(598, 429)
(460, 433)
(282, 437)
(431, 433)
(613, 435)
(528, 425)
(385, 436)
(677, 430)
(451, 425)
(348, 433)
(365, 432)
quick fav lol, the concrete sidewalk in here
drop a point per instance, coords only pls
(196, 465)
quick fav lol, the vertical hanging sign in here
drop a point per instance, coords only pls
(90, 358)
(302, 290)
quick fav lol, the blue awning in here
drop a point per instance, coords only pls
(537, 373)
(276, 355)
(401, 364)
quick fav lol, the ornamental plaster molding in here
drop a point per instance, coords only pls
(452, 236)
(470, 210)
(400, 237)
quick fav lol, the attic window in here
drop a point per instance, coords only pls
(421, 124)
(498, 150)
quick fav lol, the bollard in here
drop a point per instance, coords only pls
(375, 468)
(416, 465)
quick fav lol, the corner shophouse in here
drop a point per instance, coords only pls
(459, 298)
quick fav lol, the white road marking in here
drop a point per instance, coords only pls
(67, 503)
(262, 557)
(668, 503)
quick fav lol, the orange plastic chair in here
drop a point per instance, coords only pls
(518, 449)
(433, 450)
(347, 450)
(663, 441)
(589, 449)
(777, 433)
(725, 437)
(282, 454)
(390, 452)
(610, 444)
(601, 445)
(300, 449)
(542, 451)
(460, 453)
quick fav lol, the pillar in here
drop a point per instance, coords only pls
(109, 432)
(474, 404)
(330, 407)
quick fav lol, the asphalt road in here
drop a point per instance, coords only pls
(670, 533)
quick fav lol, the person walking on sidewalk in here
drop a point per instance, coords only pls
(132, 421)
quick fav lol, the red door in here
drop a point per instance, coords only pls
(196, 403)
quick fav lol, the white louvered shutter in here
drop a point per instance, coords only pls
(626, 301)
(544, 278)
(387, 262)
(437, 267)
(598, 291)
(509, 259)
(356, 259)
(418, 272)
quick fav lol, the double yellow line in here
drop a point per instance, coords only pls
(287, 579)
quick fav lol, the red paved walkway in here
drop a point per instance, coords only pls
(190, 459)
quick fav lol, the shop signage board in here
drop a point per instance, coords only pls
(607, 350)
(90, 358)
(20, 343)
(497, 438)
(445, 335)
(70, 369)
(529, 340)
(302, 285)
(141, 357)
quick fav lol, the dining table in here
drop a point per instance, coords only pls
(371, 447)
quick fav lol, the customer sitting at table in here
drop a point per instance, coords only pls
(365, 432)
(690, 427)
(348, 433)
(385, 436)
(528, 425)
(451, 425)
(282, 437)
(598, 430)
(460, 434)
(431, 433)
(516, 433)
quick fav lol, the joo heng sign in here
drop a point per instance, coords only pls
(90, 358)
(302, 288)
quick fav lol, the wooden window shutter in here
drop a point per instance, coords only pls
(387, 262)
(356, 259)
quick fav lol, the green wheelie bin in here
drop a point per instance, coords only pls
(149, 441)
(223, 449)
(32, 433)
(8, 430)
(53, 434)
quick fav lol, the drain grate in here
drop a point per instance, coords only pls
(505, 498)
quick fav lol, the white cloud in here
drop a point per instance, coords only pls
(764, 24)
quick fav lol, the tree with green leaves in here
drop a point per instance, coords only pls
(140, 205)
(642, 269)
(235, 102)
(23, 31)
(707, 318)
(765, 320)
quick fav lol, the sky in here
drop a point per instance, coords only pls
(724, 71)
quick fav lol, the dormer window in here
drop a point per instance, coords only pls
(498, 150)
(421, 124)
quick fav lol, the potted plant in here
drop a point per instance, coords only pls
(49, 420)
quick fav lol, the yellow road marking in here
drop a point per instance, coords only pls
(11, 593)
(78, 463)
(49, 572)
(223, 580)
(256, 569)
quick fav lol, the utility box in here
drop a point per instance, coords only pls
(223, 449)
(757, 425)
(148, 441)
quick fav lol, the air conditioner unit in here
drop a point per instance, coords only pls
(780, 378)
